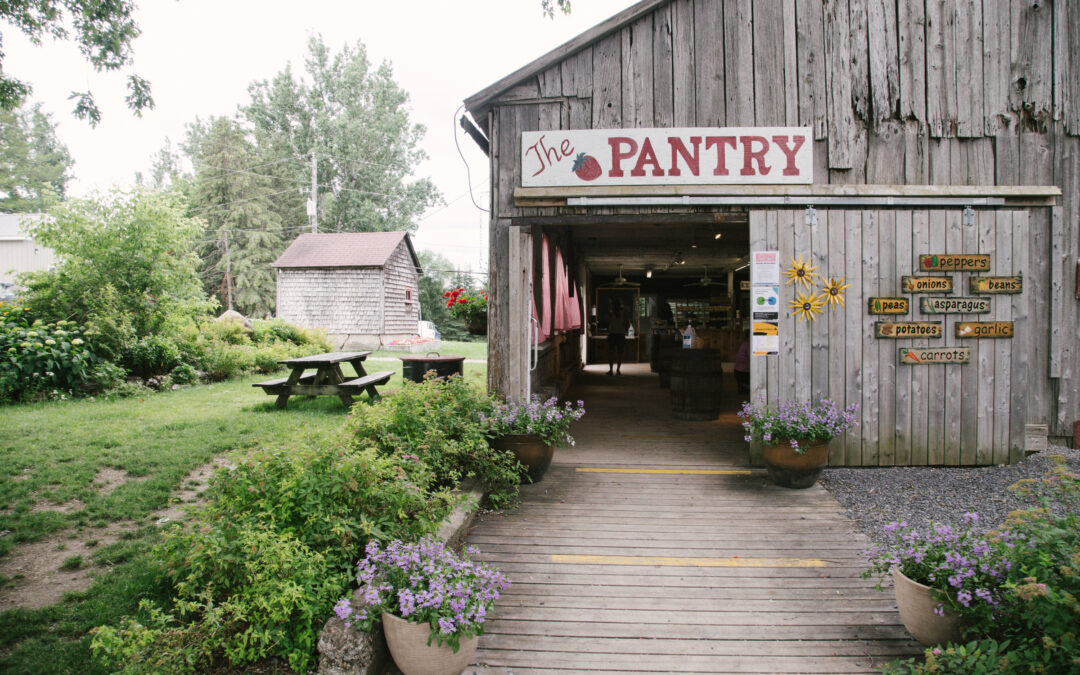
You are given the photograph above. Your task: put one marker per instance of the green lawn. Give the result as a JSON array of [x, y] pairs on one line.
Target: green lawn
[[470, 350], [51, 454]]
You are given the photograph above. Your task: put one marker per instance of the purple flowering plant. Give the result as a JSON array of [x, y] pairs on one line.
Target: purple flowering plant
[[424, 582], [965, 569], [798, 423], [548, 419]]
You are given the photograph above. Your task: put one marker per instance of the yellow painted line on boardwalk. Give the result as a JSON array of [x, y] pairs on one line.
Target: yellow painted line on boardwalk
[[694, 472], [685, 562]]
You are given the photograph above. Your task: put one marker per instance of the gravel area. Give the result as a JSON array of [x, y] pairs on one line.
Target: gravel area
[[875, 497]]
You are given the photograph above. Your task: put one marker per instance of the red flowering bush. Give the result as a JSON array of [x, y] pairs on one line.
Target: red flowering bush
[[466, 305]]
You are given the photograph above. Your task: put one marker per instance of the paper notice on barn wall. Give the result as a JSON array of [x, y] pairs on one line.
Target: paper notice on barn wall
[[681, 156], [764, 302]]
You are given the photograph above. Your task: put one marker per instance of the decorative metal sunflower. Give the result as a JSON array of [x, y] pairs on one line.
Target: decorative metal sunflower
[[834, 292], [801, 272], [807, 306]]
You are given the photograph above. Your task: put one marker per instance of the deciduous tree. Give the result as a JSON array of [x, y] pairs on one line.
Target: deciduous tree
[[34, 164]]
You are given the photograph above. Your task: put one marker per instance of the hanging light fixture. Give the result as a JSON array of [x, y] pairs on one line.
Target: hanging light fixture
[[648, 274]]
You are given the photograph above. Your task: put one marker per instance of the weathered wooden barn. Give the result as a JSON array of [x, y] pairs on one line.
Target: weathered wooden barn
[[923, 138], [361, 287]]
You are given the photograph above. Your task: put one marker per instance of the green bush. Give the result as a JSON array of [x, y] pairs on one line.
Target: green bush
[[105, 377], [229, 332], [441, 423], [151, 356], [988, 657], [38, 357], [223, 361], [185, 373]]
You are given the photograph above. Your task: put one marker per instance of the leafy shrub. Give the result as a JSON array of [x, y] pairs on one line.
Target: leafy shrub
[[105, 376], [150, 356], [222, 361], [185, 373], [229, 332], [276, 330], [37, 357], [986, 657], [440, 422]]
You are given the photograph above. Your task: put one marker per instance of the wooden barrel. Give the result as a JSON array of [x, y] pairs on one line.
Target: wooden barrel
[[663, 364], [696, 381]]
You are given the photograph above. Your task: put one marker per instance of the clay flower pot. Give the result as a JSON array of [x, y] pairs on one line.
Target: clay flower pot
[[917, 604], [790, 470], [408, 643]]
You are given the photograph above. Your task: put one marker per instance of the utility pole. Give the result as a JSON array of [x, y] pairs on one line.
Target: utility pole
[[228, 273], [313, 204]]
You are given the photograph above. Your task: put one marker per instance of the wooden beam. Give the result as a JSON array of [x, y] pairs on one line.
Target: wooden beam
[[1035, 192]]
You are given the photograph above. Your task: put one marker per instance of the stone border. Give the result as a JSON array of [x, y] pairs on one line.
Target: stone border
[[346, 651]]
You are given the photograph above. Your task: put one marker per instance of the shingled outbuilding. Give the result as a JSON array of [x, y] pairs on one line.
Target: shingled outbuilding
[[360, 287]]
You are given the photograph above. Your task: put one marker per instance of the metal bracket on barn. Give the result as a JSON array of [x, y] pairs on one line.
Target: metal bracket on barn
[[811, 216], [969, 216]]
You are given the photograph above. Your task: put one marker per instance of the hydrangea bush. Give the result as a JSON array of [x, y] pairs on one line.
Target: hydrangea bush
[[424, 582], [547, 419], [799, 423]]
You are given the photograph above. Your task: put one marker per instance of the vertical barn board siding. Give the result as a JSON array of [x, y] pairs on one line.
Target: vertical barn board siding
[[577, 74], [758, 364], [916, 159], [996, 67], [810, 55], [985, 363], [940, 69], [935, 424], [969, 70], [551, 82], [519, 281], [870, 366], [1019, 375], [884, 73], [854, 310], [791, 68], [888, 285], [911, 24], [780, 236], [709, 66], [663, 86], [969, 375], [682, 63], [920, 377], [1065, 219], [768, 63], [885, 146], [1002, 311], [1031, 80], [819, 330], [1066, 69], [837, 325], [903, 257], [607, 83], [860, 59], [841, 122], [1035, 167], [739, 62], [637, 76], [803, 374], [954, 243]]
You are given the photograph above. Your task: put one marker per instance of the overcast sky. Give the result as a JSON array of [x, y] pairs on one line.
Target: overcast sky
[[200, 56]]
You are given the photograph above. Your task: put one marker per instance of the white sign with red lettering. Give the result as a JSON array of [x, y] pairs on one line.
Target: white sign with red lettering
[[686, 156]]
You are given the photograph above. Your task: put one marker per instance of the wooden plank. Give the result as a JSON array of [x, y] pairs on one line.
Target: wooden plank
[[986, 358], [683, 66], [935, 392], [637, 75], [853, 251], [739, 62], [1003, 358], [758, 364], [607, 83], [1018, 413], [902, 428], [954, 262], [1035, 165], [940, 69], [577, 78], [767, 67], [934, 357], [837, 342], [878, 306], [954, 242], [841, 121], [870, 365], [886, 356], [780, 235], [709, 67], [907, 330], [818, 234], [663, 75], [884, 145], [860, 59], [1032, 40], [810, 49], [791, 60], [550, 82], [911, 23], [996, 68], [969, 377], [803, 373], [920, 416], [884, 60], [969, 68], [1066, 69]]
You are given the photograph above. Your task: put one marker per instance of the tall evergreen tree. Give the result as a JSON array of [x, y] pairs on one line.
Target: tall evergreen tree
[[355, 119], [34, 164], [243, 232]]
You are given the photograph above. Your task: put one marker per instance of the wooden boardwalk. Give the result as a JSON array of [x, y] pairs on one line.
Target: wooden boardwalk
[[652, 547]]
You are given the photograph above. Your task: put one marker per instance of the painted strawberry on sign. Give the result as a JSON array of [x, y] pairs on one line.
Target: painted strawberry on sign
[[586, 167]]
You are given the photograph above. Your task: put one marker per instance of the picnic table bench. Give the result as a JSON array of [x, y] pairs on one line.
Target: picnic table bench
[[327, 380]]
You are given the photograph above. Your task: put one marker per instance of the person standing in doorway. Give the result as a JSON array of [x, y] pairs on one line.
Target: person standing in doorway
[[742, 365], [618, 322]]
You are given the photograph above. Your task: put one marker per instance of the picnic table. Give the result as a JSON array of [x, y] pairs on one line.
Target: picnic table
[[327, 380]]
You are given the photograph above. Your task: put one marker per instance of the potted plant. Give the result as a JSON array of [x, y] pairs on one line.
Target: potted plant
[[944, 577], [469, 307], [431, 601], [532, 430], [795, 436]]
